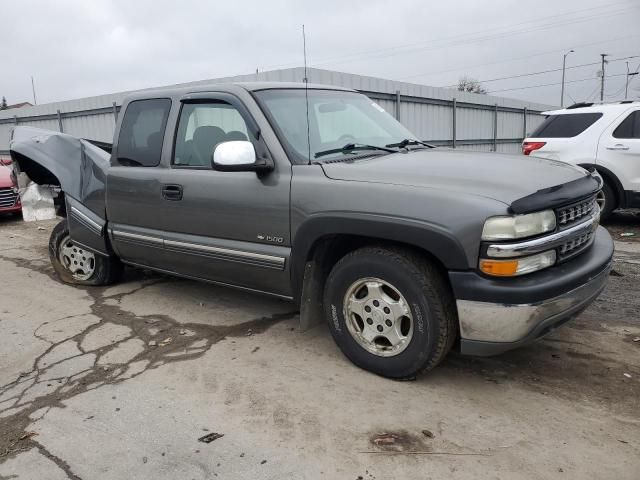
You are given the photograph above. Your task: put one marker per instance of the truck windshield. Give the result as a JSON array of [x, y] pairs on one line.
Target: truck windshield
[[336, 119]]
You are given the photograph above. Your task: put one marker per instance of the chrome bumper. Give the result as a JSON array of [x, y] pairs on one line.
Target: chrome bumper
[[513, 324]]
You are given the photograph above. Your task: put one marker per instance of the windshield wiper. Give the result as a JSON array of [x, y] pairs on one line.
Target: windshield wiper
[[410, 141], [352, 147]]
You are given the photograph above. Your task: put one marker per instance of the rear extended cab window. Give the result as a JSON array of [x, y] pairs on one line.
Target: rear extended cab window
[[142, 133], [566, 125]]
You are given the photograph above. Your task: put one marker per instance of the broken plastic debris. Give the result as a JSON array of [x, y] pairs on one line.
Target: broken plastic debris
[[627, 234], [628, 375], [210, 437], [166, 341], [385, 439], [637, 339], [37, 203]]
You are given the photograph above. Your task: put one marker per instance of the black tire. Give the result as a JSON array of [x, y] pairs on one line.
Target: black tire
[[610, 201], [430, 301], [107, 270]]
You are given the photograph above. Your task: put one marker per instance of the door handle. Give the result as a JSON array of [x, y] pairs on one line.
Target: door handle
[[618, 146], [172, 192]]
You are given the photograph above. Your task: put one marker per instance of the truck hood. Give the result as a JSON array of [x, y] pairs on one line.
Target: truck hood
[[502, 177]]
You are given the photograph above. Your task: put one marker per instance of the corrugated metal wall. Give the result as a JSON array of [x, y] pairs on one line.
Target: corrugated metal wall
[[482, 122]]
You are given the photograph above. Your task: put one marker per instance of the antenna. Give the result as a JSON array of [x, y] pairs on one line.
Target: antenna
[[306, 89], [33, 89]]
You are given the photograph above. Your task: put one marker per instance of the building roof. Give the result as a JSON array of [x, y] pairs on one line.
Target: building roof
[[319, 77], [19, 105]]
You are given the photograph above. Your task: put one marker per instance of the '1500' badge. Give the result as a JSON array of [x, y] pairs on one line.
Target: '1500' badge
[[270, 238]]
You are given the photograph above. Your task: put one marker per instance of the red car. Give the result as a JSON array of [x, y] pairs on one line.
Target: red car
[[9, 198]]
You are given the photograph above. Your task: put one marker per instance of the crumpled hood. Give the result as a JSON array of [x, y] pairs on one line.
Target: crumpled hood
[[502, 177], [5, 177]]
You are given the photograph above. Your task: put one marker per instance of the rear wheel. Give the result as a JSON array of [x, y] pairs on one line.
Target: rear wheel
[[607, 201], [390, 311], [77, 265]]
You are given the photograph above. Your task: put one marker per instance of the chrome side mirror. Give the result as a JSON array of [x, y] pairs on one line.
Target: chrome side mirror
[[238, 156]]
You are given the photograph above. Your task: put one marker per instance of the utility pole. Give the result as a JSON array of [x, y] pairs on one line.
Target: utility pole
[[603, 55], [33, 89], [626, 80], [564, 63]]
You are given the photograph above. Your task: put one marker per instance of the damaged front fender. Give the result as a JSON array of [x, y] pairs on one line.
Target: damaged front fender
[[79, 168]]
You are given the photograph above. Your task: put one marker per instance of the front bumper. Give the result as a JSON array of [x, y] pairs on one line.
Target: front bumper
[[14, 209], [497, 315]]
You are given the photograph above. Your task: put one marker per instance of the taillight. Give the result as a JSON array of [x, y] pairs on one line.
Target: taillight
[[528, 147]]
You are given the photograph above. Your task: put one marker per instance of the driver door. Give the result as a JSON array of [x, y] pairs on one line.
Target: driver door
[[225, 227]]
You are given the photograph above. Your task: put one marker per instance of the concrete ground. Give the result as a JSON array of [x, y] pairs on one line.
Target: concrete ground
[[122, 382]]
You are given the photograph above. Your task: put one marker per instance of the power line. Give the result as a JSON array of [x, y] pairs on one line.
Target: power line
[[592, 94], [429, 44], [520, 58], [442, 43], [548, 71], [625, 86], [552, 84]]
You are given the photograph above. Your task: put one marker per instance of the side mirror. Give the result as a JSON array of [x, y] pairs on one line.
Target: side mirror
[[238, 156]]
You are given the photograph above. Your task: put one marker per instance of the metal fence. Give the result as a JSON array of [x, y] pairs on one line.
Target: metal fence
[[500, 127], [440, 116]]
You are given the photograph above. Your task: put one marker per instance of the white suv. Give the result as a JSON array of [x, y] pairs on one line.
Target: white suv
[[601, 136]]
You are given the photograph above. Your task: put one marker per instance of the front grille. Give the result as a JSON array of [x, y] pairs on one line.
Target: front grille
[[574, 246], [574, 213], [8, 197]]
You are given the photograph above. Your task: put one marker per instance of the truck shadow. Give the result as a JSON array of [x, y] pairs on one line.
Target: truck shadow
[[584, 361], [624, 225]]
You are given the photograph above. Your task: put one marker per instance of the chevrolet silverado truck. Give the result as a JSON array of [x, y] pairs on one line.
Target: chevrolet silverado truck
[[316, 195]]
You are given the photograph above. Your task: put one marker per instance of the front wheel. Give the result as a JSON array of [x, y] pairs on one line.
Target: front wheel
[[390, 311], [77, 265]]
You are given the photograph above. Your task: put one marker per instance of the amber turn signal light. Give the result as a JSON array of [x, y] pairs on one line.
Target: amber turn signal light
[[499, 268]]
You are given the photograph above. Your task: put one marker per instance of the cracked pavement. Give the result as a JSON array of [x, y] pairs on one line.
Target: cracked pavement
[[121, 382]]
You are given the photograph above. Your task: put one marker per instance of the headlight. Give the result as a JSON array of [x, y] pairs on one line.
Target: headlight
[[518, 266], [519, 226]]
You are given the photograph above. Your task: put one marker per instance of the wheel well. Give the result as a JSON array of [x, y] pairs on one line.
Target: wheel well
[[42, 176], [326, 252], [337, 246], [35, 171], [329, 249], [610, 178]]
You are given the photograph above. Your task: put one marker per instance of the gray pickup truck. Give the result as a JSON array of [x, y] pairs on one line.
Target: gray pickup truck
[[318, 196]]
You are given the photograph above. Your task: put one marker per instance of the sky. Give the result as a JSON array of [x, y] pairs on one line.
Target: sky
[[80, 48]]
